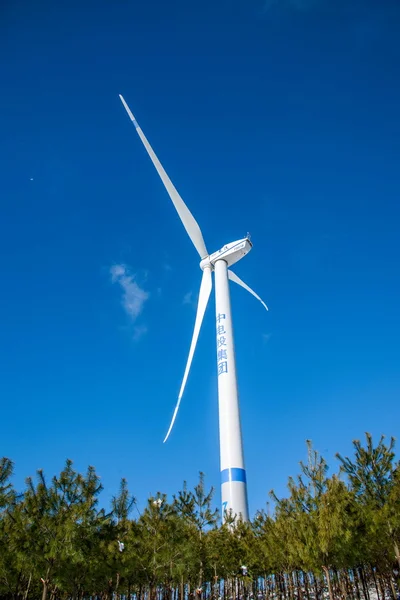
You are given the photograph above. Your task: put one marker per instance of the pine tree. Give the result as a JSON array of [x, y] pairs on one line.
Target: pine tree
[[195, 509], [327, 534], [372, 475], [7, 495]]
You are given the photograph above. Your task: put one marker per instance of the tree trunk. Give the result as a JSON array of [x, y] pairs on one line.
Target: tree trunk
[[363, 582], [200, 585], [44, 592], [381, 583], [306, 588], [54, 592], [316, 590], [28, 586], [394, 595], [356, 584], [350, 585], [269, 587], [376, 583], [291, 583], [153, 592], [282, 585], [335, 584], [299, 586], [328, 581], [397, 552], [342, 584], [278, 587]]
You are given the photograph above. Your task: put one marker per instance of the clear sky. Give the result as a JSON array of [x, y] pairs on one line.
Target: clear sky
[[280, 119]]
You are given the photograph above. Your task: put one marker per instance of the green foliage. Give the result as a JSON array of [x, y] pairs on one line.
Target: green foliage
[[338, 533], [7, 494], [371, 471], [122, 504]]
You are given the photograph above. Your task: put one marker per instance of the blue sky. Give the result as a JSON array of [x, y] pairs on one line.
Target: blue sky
[[279, 118]]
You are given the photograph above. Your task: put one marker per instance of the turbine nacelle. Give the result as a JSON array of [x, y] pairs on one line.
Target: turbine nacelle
[[231, 253]]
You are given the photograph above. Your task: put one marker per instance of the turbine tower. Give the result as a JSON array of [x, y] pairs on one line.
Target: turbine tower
[[233, 473]]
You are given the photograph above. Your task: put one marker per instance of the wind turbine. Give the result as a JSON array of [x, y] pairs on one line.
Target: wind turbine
[[233, 473]]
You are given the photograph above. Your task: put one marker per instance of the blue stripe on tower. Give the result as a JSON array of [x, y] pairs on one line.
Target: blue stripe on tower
[[233, 474]]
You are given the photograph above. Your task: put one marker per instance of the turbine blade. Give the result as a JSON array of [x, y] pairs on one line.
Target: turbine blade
[[233, 277], [205, 291], [188, 220]]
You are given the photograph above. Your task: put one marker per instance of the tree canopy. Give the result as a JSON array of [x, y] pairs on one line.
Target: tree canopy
[[334, 536]]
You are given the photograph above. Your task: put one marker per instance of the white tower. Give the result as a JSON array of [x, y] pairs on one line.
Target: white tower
[[233, 473]]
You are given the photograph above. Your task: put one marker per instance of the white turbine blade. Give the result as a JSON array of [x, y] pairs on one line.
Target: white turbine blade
[[205, 290], [188, 220], [233, 277]]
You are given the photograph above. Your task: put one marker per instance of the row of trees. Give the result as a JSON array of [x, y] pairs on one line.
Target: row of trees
[[336, 536]]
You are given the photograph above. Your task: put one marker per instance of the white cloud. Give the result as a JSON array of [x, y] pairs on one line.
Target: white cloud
[[188, 298], [133, 296], [266, 337]]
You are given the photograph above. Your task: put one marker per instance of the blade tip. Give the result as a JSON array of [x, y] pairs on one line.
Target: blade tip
[[128, 110]]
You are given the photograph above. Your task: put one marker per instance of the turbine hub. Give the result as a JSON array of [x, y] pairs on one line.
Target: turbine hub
[[206, 263], [231, 253]]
